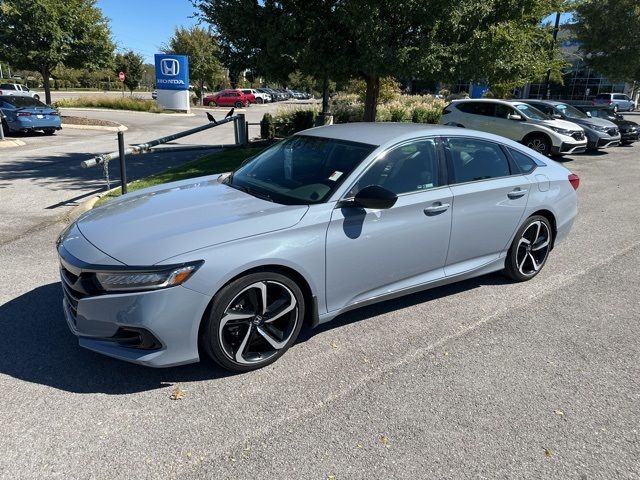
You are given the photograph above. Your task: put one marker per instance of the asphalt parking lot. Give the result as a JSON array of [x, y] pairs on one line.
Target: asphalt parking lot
[[481, 379]]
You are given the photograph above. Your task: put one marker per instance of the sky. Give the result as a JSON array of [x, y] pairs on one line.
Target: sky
[[145, 25]]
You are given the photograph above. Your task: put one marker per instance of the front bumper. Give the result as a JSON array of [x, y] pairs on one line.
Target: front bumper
[[157, 328], [569, 146], [630, 136]]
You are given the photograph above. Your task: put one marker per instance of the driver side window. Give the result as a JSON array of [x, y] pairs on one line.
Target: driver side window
[[411, 167]]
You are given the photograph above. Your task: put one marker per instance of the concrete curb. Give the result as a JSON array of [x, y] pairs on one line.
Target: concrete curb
[[87, 109], [6, 143], [85, 206], [121, 128]]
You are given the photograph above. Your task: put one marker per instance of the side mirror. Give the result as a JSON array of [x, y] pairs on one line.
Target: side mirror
[[588, 114], [557, 115], [374, 197], [514, 116]]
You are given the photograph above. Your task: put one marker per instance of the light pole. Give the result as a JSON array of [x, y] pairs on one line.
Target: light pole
[[547, 86]]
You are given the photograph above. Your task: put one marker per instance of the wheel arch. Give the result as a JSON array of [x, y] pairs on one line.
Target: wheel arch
[[311, 303], [537, 133]]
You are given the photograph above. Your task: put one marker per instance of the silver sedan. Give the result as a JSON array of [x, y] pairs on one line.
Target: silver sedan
[[330, 219]]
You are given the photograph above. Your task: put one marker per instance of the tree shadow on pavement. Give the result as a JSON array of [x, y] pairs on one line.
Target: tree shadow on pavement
[[36, 346]]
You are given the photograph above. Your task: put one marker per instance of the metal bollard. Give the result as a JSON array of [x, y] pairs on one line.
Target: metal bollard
[[123, 164], [1, 130]]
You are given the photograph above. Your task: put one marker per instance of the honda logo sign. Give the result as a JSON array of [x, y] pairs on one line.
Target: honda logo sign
[[172, 72], [170, 67]]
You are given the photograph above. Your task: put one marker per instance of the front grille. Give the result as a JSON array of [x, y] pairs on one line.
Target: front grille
[[76, 287], [613, 132], [578, 135]]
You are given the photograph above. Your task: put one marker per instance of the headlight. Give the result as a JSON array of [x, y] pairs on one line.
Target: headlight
[[598, 128], [146, 280], [562, 131]]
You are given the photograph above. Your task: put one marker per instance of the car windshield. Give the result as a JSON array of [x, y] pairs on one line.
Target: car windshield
[[531, 112], [602, 113], [570, 112], [300, 170], [23, 102]]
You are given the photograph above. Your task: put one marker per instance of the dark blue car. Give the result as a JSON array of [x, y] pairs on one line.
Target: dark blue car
[[26, 114]]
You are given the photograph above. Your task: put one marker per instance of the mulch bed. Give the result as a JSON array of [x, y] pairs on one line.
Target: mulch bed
[[69, 120]]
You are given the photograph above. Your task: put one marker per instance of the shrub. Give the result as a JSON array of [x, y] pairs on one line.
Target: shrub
[[426, 114], [267, 127], [383, 114], [120, 103], [288, 121], [400, 113]]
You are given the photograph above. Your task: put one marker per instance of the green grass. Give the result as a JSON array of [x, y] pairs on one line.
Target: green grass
[[115, 103], [213, 163]]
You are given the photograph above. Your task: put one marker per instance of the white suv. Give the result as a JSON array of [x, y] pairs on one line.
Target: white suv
[[517, 121], [261, 97]]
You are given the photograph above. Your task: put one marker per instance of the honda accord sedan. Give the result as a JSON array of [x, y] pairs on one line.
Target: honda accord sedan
[[232, 266]]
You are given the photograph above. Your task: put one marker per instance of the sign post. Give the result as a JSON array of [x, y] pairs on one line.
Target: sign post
[[121, 77], [172, 81]]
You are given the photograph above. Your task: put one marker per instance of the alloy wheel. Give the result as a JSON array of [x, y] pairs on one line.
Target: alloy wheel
[[539, 145], [258, 322], [533, 248]]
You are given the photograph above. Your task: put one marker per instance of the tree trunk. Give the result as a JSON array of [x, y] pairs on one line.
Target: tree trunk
[[46, 73], [201, 84], [325, 95], [371, 98]]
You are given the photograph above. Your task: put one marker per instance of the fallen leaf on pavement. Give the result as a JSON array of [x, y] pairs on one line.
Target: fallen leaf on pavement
[[560, 413], [547, 452], [177, 394], [384, 440]]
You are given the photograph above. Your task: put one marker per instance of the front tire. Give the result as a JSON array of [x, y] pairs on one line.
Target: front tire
[[212, 103], [530, 249], [540, 143], [49, 131], [260, 100], [253, 321]]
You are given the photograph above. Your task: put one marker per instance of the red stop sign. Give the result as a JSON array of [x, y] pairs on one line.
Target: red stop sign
[[121, 76]]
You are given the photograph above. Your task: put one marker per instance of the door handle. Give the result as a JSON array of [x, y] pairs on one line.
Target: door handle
[[436, 208], [517, 193]]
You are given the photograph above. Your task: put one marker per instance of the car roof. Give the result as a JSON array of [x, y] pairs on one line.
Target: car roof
[[381, 133]]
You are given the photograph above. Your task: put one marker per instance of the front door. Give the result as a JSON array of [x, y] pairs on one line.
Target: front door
[[374, 252], [489, 199]]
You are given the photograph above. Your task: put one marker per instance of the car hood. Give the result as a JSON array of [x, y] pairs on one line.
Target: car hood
[[601, 122], [159, 223], [560, 124], [625, 123]]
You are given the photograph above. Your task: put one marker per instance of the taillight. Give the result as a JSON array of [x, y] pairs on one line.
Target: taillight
[[24, 114], [53, 114], [574, 180]]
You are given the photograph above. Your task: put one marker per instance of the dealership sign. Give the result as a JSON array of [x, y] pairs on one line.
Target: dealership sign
[[172, 72]]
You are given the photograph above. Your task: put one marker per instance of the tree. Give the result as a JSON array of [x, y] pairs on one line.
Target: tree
[[203, 52], [42, 34], [497, 40], [609, 31], [132, 64]]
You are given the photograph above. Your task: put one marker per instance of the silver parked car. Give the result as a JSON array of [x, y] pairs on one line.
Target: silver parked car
[[328, 220], [619, 102]]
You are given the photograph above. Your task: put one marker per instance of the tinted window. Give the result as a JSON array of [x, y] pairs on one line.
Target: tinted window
[[570, 112], [526, 163], [532, 111], [409, 168], [23, 101], [300, 170], [7, 86], [477, 160], [477, 108], [503, 111], [603, 96], [619, 97]]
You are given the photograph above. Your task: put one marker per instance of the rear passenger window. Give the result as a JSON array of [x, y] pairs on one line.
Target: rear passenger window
[[524, 162], [477, 108], [477, 160]]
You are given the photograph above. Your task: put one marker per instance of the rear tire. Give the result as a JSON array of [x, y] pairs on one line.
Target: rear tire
[[538, 142], [36, 97], [49, 131], [5, 127], [529, 250], [253, 321], [212, 103], [239, 104], [260, 100]]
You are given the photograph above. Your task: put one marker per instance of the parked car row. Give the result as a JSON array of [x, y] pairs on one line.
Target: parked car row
[[245, 97], [25, 114], [549, 127]]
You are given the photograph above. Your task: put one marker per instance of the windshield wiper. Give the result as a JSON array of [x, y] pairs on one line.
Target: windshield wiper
[[251, 192]]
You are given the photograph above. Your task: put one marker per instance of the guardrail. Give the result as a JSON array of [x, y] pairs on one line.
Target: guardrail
[[241, 138]]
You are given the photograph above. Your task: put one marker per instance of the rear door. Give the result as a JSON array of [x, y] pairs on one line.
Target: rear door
[[503, 125], [489, 198]]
